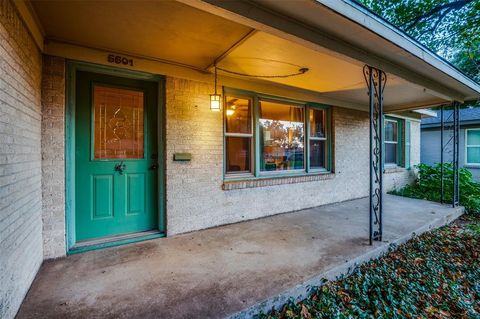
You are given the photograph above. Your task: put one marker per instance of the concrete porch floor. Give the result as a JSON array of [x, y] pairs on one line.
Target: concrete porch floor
[[233, 270]]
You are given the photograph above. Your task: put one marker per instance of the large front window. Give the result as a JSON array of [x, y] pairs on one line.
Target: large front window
[[472, 145], [281, 136], [265, 136]]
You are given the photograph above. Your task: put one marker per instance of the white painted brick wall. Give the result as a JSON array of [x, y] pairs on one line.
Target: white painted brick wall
[[21, 252], [53, 156], [195, 198], [415, 143], [194, 195]]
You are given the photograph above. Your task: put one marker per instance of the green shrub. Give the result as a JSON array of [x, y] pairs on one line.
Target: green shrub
[[428, 186]]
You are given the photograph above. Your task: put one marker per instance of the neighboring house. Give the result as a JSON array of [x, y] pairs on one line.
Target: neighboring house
[[469, 139], [110, 125]]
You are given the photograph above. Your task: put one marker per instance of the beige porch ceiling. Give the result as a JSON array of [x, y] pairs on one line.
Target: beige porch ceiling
[[174, 32], [328, 74], [165, 30]]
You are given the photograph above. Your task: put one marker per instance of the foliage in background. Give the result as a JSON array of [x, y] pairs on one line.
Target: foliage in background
[[451, 28], [428, 186], [436, 275]]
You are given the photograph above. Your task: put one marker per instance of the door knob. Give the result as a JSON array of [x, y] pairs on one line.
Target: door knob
[[120, 168], [154, 166]]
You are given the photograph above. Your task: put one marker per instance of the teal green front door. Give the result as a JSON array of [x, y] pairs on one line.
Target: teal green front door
[[116, 156]]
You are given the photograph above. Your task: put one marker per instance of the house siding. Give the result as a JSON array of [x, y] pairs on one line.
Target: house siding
[[20, 160], [194, 194], [431, 148]]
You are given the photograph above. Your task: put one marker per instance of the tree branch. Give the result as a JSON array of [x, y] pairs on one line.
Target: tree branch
[[446, 8], [439, 20]]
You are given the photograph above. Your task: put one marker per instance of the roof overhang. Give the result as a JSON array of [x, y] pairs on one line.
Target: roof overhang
[[407, 51], [184, 38], [463, 124], [426, 113], [349, 30]]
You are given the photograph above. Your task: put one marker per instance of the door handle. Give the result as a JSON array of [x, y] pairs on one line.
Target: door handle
[[120, 168], [154, 166]]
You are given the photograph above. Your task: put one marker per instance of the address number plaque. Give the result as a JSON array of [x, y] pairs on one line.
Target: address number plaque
[[118, 59]]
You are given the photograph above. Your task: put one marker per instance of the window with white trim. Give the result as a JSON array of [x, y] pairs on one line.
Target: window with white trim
[[472, 145], [396, 142], [391, 142]]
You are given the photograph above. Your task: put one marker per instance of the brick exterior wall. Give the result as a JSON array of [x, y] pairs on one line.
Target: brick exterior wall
[[196, 195], [195, 198], [53, 156], [21, 251]]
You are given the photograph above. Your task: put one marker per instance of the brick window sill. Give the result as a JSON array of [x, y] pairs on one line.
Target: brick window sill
[[275, 180]]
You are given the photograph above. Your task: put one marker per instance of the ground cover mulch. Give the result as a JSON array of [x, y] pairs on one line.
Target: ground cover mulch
[[435, 275]]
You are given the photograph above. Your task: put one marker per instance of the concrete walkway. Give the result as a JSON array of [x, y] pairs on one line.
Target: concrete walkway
[[223, 271]]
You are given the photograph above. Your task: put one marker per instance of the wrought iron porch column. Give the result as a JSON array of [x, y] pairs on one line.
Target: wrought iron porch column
[[452, 125], [376, 80], [442, 172], [456, 151]]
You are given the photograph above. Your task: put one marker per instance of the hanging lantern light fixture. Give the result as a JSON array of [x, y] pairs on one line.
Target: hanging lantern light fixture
[[215, 98]]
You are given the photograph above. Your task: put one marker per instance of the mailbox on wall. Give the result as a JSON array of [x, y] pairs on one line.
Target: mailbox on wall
[[182, 157]]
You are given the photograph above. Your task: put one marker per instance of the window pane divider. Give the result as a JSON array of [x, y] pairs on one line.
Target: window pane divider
[[306, 140], [239, 174], [256, 137], [239, 134], [289, 172]]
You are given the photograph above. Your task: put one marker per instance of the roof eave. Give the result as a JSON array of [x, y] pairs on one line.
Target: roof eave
[[365, 18], [302, 22]]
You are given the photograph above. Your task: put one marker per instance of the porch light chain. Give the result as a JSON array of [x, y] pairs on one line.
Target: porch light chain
[[300, 72]]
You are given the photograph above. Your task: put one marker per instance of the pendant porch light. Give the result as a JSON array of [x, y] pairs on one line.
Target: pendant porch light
[[215, 98]]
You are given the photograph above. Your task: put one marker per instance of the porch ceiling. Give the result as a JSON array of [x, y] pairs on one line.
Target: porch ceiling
[[166, 30], [341, 79], [178, 33]]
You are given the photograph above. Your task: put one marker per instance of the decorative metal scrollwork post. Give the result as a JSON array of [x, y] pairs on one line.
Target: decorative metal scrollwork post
[[442, 151], [456, 152], [376, 80], [451, 126]]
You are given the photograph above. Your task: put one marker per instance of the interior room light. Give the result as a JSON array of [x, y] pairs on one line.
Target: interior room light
[[231, 110]]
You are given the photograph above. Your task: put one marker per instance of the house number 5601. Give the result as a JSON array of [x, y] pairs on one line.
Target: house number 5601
[[118, 59]]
